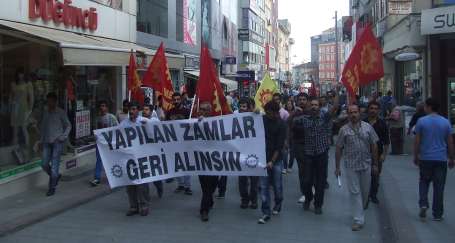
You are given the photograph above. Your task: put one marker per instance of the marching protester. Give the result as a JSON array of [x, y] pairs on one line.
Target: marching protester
[[275, 131], [284, 115], [138, 195], [208, 183], [316, 138], [420, 112], [148, 113], [381, 129], [433, 146], [357, 142], [104, 120], [290, 108], [248, 185], [180, 112], [55, 128], [296, 135], [123, 113]]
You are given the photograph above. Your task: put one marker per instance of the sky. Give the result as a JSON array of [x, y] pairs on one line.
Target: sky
[[309, 18]]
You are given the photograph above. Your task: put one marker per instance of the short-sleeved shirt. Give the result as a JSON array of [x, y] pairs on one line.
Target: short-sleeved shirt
[[139, 121], [434, 131], [382, 130], [314, 131], [356, 144], [107, 120], [275, 134]]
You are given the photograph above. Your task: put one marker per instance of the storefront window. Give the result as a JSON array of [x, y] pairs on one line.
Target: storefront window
[[409, 85], [152, 17]]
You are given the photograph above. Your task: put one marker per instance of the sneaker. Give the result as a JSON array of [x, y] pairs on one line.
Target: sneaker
[[374, 200], [188, 191], [356, 227], [264, 219], [144, 212], [275, 212], [284, 171], [423, 212], [220, 196], [289, 170], [301, 199], [179, 189], [95, 182], [244, 205], [50, 192], [132, 211], [318, 211], [440, 218], [204, 216], [254, 206]]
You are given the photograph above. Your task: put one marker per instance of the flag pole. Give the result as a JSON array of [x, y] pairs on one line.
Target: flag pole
[[192, 106]]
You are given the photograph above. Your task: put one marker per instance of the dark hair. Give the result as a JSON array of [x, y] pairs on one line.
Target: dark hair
[[312, 98], [126, 102], [302, 94], [149, 106], [277, 95], [102, 102], [389, 93], [375, 103], [176, 94], [134, 103], [272, 106], [433, 104], [244, 100], [18, 71], [252, 103], [51, 95]]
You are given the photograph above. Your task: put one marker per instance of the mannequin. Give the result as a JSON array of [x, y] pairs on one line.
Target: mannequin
[[22, 105]]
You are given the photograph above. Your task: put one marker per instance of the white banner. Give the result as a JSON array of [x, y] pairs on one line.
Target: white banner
[[231, 145]]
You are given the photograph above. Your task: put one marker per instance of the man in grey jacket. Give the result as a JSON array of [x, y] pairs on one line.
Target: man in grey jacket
[[55, 128]]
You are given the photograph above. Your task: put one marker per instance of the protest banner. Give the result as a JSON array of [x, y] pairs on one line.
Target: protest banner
[[231, 145]]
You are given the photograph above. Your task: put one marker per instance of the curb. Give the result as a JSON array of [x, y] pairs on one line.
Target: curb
[[52, 210]]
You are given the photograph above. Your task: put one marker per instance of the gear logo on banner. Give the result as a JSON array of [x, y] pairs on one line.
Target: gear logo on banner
[[117, 171], [252, 161]]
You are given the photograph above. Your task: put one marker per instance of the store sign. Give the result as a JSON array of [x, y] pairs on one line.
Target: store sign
[[245, 75], [438, 21], [400, 7], [82, 124], [63, 12], [244, 34], [230, 60]]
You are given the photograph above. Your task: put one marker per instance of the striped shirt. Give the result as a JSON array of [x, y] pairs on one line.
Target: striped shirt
[[355, 143]]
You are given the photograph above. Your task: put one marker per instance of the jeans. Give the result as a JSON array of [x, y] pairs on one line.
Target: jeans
[[252, 195], [98, 165], [184, 181], [222, 183], [358, 182], [315, 174], [300, 156], [51, 161], [436, 172], [208, 187], [285, 157], [274, 179], [291, 156]]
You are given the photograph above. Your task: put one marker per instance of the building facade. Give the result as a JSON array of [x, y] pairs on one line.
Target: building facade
[[283, 52]]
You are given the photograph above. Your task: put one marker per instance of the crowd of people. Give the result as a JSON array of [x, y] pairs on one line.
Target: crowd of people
[[297, 128]]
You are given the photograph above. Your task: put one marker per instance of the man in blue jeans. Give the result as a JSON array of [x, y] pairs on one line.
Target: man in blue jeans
[[55, 128], [433, 142], [275, 134], [104, 120]]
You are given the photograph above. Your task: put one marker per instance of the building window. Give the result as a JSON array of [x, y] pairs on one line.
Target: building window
[[179, 21], [152, 17]]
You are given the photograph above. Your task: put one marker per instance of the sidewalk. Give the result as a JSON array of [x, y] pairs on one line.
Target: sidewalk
[[175, 218], [400, 187]]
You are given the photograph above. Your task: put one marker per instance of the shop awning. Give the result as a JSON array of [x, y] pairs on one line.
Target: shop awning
[[231, 85], [79, 49]]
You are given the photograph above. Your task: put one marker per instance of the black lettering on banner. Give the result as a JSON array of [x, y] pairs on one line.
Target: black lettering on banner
[[225, 162], [186, 135], [131, 170], [143, 167], [198, 135], [205, 160], [163, 160], [119, 139], [189, 167], [146, 135], [130, 135], [169, 132], [139, 133], [236, 129], [178, 163], [248, 126], [155, 165], [217, 164], [235, 162], [108, 137], [187, 160], [158, 134], [211, 133], [224, 136]]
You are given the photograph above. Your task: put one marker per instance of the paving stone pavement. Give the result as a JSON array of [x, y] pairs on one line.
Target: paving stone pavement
[[174, 218]]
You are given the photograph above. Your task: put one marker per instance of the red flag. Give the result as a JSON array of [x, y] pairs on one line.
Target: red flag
[[209, 88], [159, 78], [134, 82], [312, 90], [364, 64]]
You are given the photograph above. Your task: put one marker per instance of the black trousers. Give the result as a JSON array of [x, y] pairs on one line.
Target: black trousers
[[315, 169], [252, 183], [436, 172], [374, 188], [222, 183], [208, 187]]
